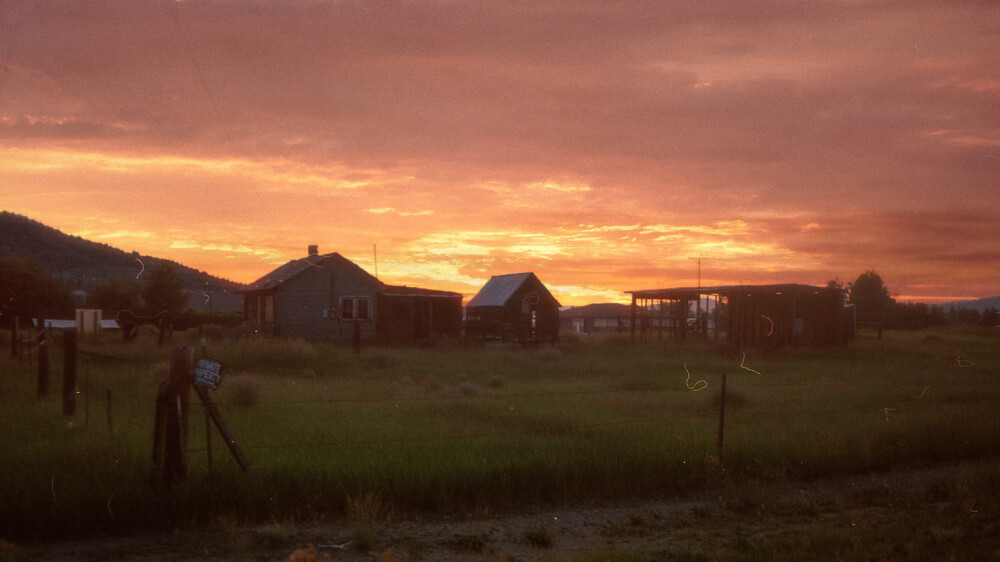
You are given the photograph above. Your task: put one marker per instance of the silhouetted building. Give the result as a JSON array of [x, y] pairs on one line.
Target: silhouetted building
[[762, 316], [322, 297], [515, 307]]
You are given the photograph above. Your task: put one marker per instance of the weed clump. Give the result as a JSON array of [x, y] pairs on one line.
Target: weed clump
[[537, 537], [243, 392]]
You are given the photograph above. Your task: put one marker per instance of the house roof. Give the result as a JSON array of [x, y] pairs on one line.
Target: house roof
[[295, 267], [404, 291]]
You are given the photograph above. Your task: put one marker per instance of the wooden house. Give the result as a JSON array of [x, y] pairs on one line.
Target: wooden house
[[322, 296], [515, 307], [761, 316]]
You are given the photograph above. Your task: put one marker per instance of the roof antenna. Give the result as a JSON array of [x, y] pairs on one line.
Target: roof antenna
[[375, 253]]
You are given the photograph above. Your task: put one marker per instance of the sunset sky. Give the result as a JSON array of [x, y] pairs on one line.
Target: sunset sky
[[603, 145]]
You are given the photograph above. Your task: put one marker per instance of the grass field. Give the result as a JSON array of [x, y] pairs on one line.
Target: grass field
[[475, 429]]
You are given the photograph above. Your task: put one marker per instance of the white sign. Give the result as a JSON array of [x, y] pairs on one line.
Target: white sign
[[208, 373]]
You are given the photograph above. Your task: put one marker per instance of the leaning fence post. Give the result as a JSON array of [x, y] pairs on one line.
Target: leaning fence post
[[208, 438], [69, 372], [213, 412]]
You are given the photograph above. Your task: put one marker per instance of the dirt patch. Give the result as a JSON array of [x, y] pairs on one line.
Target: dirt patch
[[907, 509]]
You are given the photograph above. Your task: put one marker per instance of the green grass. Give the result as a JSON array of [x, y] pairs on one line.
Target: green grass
[[478, 428]]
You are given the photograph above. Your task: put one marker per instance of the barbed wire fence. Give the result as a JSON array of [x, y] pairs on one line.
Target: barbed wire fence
[[895, 399]]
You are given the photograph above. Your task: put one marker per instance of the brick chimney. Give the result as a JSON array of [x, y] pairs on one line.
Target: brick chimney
[[313, 249]]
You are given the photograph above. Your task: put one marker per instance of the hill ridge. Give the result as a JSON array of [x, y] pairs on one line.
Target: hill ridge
[[84, 264]]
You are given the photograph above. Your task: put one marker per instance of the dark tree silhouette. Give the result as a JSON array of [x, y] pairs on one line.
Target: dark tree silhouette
[[164, 299], [163, 290], [115, 295], [871, 299], [26, 291]]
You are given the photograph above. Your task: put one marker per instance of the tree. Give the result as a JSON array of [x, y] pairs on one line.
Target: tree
[[115, 295], [163, 291], [27, 291], [991, 317], [870, 298]]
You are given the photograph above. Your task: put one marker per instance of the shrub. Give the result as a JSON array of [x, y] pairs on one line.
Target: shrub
[[243, 391]]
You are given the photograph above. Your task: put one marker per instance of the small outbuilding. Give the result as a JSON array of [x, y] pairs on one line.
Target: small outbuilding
[[763, 316], [515, 307], [326, 297]]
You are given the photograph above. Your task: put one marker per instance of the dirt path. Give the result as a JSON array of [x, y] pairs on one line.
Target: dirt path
[[897, 514]]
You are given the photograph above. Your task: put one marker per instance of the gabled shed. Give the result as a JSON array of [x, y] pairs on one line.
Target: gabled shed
[[322, 296], [515, 307]]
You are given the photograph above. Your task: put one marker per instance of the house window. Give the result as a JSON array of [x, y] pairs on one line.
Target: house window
[[355, 308]]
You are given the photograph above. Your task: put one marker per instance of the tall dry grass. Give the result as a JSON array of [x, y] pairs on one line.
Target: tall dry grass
[[477, 428]]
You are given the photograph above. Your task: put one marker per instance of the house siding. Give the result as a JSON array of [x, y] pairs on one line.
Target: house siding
[[411, 318], [307, 300], [310, 305]]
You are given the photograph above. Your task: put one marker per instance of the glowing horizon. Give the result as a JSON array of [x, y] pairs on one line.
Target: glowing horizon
[[597, 148]]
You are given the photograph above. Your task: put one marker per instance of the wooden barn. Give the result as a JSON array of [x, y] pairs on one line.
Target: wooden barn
[[761, 316], [515, 307], [321, 297]]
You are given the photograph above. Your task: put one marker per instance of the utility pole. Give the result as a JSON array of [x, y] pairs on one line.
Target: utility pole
[[697, 309], [698, 258]]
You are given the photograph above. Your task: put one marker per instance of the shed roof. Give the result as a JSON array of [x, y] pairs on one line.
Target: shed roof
[[726, 290], [500, 288], [295, 267], [405, 291]]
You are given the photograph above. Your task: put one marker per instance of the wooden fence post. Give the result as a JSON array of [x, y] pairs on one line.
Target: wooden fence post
[[111, 424], [69, 372], [356, 336], [177, 404], [14, 336], [722, 413], [159, 425], [86, 394]]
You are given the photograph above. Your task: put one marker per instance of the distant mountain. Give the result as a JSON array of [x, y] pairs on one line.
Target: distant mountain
[[977, 304], [83, 264]]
